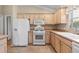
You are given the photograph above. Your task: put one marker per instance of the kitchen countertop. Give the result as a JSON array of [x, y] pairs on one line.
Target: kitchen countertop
[[3, 36], [68, 35]]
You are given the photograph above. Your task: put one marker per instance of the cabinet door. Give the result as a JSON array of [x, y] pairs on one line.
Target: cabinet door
[[54, 18], [52, 41], [48, 18], [57, 43], [65, 48], [30, 37], [32, 17], [58, 15], [47, 36], [55, 15], [63, 15]]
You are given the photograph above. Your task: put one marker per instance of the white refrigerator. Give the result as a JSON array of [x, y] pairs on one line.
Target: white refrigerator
[[21, 27]]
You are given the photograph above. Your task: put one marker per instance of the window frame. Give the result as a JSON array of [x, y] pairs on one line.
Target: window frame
[[72, 19]]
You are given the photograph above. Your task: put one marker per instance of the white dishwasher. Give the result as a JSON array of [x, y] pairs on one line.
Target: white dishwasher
[[75, 47]]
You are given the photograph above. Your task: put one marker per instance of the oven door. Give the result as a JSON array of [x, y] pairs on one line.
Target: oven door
[[39, 37]]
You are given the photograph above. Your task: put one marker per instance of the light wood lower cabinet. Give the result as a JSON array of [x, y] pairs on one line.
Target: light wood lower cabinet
[[3, 45], [30, 37], [65, 48], [52, 40], [47, 36], [60, 44], [57, 44]]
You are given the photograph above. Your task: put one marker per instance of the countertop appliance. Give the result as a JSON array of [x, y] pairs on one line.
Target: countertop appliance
[[39, 33], [75, 47]]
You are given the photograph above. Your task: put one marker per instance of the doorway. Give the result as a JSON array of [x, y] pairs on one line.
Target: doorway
[[8, 26], [1, 24]]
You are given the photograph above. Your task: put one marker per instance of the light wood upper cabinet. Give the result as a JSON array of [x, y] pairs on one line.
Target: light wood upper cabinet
[[58, 15], [57, 18], [54, 18], [49, 19], [61, 16]]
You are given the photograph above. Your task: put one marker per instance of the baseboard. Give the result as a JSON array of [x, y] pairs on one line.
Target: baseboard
[[38, 45]]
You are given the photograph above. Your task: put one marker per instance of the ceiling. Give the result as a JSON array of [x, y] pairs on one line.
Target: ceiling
[[37, 8]]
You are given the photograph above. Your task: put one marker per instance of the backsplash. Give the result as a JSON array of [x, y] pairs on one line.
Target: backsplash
[[65, 27], [61, 26], [47, 27]]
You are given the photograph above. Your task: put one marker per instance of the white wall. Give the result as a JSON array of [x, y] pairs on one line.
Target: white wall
[[7, 9], [1, 9], [1, 20], [1, 24]]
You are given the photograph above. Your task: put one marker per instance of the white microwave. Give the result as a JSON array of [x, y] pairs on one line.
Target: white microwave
[[39, 22]]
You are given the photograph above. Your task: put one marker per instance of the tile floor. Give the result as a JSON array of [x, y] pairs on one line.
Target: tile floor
[[30, 49]]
